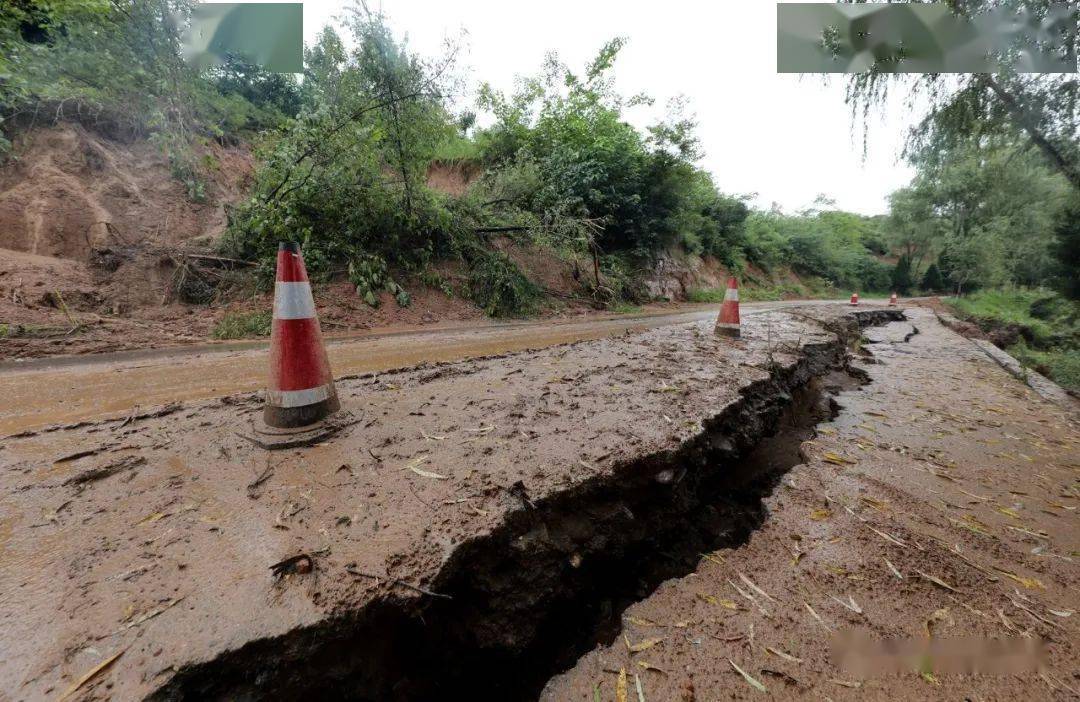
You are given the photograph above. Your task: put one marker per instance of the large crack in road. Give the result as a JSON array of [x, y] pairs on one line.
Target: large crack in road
[[554, 511]]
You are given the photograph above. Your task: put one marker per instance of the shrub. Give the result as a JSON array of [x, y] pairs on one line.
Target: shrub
[[241, 325], [499, 286]]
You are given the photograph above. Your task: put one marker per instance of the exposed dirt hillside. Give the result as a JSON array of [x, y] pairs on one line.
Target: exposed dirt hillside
[[71, 192], [94, 234]]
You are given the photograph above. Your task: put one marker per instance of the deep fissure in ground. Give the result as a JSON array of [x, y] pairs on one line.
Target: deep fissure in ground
[[526, 601]]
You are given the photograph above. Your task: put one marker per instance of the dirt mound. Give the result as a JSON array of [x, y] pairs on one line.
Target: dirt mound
[[69, 192], [89, 227], [452, 177]]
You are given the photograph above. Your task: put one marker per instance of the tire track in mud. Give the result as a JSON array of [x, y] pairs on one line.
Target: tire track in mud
[[522, 603]]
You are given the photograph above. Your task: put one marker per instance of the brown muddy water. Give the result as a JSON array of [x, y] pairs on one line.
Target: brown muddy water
[[71, 389]]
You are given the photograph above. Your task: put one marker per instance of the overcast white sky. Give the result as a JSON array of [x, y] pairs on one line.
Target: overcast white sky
[[785, 137]]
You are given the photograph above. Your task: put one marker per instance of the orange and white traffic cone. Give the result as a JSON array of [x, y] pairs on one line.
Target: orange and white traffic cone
[[727, 323], [301, 390], [854, 298], [892, 299]]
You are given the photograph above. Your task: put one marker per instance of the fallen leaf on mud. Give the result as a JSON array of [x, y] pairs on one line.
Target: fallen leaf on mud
[[649, 666], [781, 654], [749, 678], [151, 615], [150, 519], [644, 645], [707, 598], [432, 437], [1008, 512], [1062, 612], [1037, 534], [845, 683], [1029, 583], [887, 537], [90, 674], [853, 606], [637, 685], [419, 460], [818, 514], [764, 612], [640, 622], [816, 616], [929, 677], [977, 497], [757, 589], [429, 474], [714, 558], [971, 524], [620, 686], [893, 569], [836, 459], [596, 692], [943, 475], [937, 581]]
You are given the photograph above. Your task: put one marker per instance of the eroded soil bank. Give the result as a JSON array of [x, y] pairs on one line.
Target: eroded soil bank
[[481, 524]]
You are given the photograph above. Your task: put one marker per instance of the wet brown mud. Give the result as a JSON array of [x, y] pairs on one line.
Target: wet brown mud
[[515, 607]]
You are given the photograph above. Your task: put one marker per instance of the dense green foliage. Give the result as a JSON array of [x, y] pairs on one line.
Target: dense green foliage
[[596, 180], [840, 247], [116, 66], [987, 213], [995, 152]]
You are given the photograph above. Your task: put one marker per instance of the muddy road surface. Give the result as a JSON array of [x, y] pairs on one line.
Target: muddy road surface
[[645, 508], [465, 521], [939, 500], [68, 389]]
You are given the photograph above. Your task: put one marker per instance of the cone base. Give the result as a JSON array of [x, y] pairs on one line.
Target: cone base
[[274, 438], [732, 332], [300, 418]]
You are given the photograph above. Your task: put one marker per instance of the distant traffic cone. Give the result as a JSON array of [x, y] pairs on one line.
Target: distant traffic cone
[[854, 298], [727, 323], [892, 299], [301, 390]]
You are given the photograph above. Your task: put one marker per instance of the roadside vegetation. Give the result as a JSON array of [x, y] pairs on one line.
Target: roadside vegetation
[[1040, 328], [243, 325], [343, 156]]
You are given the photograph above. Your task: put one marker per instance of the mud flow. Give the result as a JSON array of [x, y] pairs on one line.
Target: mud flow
[[521, 604]]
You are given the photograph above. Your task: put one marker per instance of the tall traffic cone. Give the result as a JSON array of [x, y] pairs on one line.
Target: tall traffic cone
[[727, 323], [301, 390], [892, 299], [854, 298]]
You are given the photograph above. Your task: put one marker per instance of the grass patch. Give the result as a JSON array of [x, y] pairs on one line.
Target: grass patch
[[1049, 327], [1061, 366], [243, 325], [706, 294], [995, 308], [626, 308], [814, 288]]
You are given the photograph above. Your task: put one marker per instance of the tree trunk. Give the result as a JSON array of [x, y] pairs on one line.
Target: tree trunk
[[1024, 121]]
